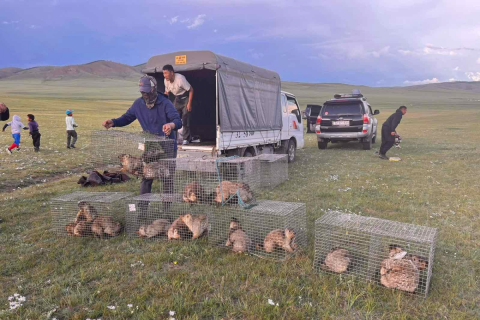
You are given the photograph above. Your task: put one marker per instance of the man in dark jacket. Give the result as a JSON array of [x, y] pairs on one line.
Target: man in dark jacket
[[155, 113], [388, 131]]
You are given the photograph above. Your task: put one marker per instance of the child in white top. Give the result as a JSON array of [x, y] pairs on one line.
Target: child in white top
[[16, 126], [71, 125]]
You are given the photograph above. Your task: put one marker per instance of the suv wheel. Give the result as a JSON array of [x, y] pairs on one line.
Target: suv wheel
[[291, 150], [367, 145], [322, 145]]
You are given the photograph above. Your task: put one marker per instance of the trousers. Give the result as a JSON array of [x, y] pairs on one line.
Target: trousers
[[70, 134], [387, 140]]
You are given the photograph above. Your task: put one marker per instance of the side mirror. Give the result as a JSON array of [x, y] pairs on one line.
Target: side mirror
[[376, 112]]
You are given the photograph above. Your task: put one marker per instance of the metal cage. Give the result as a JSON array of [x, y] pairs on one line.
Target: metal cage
[[166, 217], [271, 229], [391, 254], [223, 181], [134, 153], [89, 214], [274, 170]]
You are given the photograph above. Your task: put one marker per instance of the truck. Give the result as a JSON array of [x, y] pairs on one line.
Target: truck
[[237, 109]]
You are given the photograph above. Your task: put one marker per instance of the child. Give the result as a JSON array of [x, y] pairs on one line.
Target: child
[[33, 125], [17, 127], [71, 125]]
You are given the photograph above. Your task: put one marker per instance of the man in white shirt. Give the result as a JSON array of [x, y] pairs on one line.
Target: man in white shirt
[[71, 125], [183, 92]]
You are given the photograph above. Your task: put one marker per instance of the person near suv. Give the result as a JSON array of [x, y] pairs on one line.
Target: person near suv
[[389, 133]]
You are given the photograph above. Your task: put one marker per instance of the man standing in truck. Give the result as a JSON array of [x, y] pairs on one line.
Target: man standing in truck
[[183, 92], [389, 133]]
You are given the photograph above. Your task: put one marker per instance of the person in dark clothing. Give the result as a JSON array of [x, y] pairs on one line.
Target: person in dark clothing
[[34, 133], [388, 131], [156, 115], [4, 112]]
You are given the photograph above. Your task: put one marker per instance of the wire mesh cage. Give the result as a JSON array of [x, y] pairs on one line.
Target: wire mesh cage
[[165, 217], [391, 254], [89, 214], [274, 169], [224, 181], [135, 153], [271, 229]]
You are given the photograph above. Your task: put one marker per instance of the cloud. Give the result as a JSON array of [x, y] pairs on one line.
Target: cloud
[[10, 22], [456, 68], [215, 30], [473, 76], [382, 51], [452, 80], [198, 21], [173, 20], [415, 83], [32, 26], [255, 54], [478, 60]]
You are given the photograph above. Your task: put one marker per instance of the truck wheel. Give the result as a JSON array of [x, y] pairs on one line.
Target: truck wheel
[[291, 150], [367, 145], [322, 145]]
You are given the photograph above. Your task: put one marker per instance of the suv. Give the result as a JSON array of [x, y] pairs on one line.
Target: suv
[[347, 117], [311, 113]]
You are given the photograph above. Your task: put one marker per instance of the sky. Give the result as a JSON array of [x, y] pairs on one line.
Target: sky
[[368, 42]]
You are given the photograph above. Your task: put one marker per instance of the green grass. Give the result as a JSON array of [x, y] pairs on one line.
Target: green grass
[[436, 185]]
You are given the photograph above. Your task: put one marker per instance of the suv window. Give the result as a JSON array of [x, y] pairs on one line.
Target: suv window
[[293, 108], [342, 109], [370, 109]]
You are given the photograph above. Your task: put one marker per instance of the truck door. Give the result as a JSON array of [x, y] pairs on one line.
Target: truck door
[[295, 125], [285, 124]]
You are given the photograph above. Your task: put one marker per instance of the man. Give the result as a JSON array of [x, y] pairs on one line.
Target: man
[[389, 133], [156, 115], [4, 112], [183, 92]]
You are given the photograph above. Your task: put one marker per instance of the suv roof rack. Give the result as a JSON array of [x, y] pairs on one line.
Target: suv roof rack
[[348, 95]]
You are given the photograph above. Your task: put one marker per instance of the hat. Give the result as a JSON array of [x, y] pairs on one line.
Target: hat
[[145, 84], [69, 111]]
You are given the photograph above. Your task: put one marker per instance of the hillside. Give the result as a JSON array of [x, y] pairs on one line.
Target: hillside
[[96, 69], [7, 72]]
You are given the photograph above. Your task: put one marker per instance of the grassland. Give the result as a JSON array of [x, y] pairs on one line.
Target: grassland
[[436, 185]]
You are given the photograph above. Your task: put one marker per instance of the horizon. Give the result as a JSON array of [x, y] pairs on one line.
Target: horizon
[[374, 44]]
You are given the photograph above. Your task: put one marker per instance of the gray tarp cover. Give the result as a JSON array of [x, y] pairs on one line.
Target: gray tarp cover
[[248, 96]]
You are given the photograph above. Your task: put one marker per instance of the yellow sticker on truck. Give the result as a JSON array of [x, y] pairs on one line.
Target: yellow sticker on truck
[[181, 59]]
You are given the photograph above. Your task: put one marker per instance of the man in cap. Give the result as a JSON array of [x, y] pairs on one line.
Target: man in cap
[[183, 92], [389, 133], [156, 115]]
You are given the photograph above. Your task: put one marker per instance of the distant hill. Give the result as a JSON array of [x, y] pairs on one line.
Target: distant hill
[[7, 72], [456, 85], [96, 69], [140, 67]]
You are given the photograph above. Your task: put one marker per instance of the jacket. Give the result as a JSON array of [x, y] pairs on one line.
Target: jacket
[[151, 120], [392, 122], [16, 125]]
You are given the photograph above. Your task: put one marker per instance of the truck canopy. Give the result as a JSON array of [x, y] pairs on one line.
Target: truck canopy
[[248, 96]]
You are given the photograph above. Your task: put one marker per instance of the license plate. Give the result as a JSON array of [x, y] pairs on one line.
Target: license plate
[[341, 123]]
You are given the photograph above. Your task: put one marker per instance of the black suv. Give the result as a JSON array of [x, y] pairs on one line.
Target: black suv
[[347, 117]]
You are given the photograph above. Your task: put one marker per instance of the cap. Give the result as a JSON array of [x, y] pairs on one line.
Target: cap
[[69, 111], [145, 84]]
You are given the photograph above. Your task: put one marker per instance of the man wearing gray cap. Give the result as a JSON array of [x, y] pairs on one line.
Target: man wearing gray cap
[[156, 115]]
